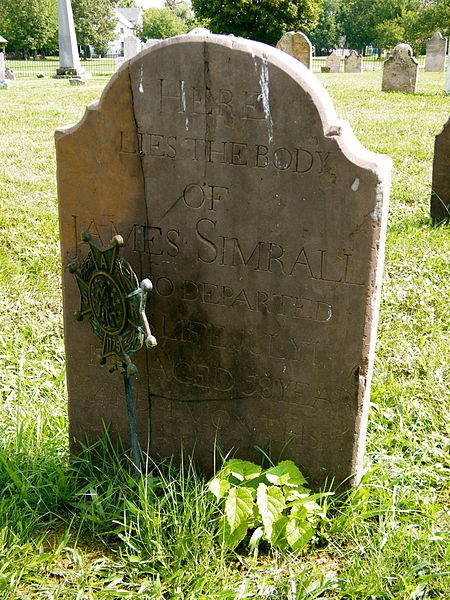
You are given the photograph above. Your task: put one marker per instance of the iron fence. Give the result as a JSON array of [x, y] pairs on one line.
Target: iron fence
[[46, 67], [105, 66]]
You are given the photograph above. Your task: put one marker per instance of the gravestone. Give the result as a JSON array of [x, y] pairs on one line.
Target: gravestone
[[297, 45], [9, 74], [400, 71], [436, 51], [260, 220], [69, 60], [353, 63], [131, 46], [333, 62], [447, 80], [440, 187], [4, 82]]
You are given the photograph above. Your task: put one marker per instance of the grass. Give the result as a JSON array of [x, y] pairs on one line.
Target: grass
[[83, 529]]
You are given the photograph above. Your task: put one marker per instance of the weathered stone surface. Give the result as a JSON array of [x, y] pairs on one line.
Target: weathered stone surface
[[77, 81], [440, 188], [333, 61], [297, 45], [9, 74], [2, 65], [400, 71], [353, 63], [436, 51], [260, 220]]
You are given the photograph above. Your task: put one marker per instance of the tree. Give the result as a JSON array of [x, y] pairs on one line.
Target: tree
[[123, 3], [433, 16], [159, 23], [262, 20], [326, 34], [381, 23], [94, 23], [28, 25]]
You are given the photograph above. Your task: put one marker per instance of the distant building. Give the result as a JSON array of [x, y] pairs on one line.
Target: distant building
[[128, 20]]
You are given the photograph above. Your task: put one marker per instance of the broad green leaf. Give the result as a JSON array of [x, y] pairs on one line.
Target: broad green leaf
[[219, 487], [238, 507], [285, 473], [242, 469], [233, 537], [298, 533], [307, 508], [296, 493], [270, 501], [279, 533]]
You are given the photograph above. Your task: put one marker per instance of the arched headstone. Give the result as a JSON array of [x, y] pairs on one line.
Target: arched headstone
[[260, 220], [400, 70], [353, 63], [297, 45], [436, 51], [333, 62]]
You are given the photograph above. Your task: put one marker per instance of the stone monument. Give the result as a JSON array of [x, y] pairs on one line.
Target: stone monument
[[297, 45], [353, 63], [4, 81], [69, 61], [440, 187], [333, 62], [260, 220], [400, 71], [436, 51]]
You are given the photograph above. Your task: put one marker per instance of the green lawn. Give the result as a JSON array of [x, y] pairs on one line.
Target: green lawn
[[84, 530]]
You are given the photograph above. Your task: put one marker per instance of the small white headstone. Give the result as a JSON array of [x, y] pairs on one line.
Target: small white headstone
[[131, 46], [2, 65]]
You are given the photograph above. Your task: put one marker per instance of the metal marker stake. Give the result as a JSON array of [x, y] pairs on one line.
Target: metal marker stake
[[115, 302], [133, 425]]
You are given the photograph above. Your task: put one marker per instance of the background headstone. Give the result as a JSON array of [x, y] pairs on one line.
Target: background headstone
[[9, 74], [4, 82], [447, 79], [297, 45], [440, 187], [400, 71], [132, 45], [353, 63], [260, 220], [333, 62], [436, 51], [69, 60]]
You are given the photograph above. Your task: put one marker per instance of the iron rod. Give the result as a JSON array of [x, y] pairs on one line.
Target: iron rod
[[133, 425]]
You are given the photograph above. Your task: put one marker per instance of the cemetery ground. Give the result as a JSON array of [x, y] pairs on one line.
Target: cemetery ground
[[83, 529]]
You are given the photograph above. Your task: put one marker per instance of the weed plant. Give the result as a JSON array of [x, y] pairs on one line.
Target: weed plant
[[83, 528]]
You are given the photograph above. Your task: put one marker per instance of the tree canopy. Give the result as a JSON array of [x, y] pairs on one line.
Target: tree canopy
[[262, 20], [94, 23], [28, 25], [160, 23], [380, 23]]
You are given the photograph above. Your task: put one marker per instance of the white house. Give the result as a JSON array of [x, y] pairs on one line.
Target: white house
[[128, 19]]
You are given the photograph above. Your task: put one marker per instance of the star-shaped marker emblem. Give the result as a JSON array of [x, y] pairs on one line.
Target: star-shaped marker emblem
[[114, 301]]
